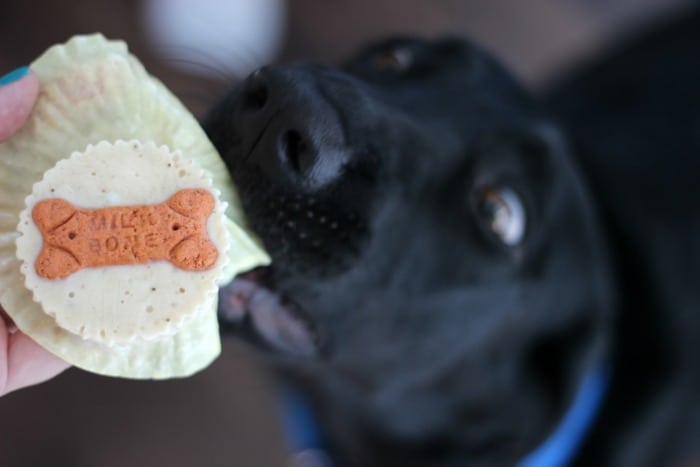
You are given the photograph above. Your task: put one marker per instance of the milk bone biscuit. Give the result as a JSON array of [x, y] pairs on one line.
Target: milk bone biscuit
[[76, 238]]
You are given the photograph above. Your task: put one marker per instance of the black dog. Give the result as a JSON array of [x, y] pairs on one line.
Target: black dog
[[448, 271]]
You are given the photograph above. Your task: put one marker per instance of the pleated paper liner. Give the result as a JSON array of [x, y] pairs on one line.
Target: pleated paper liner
[[93, 90]]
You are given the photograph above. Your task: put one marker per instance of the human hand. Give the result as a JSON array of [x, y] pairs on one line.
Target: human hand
[[22, 361]]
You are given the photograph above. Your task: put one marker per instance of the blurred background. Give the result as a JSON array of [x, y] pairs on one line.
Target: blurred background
[[228, 415]]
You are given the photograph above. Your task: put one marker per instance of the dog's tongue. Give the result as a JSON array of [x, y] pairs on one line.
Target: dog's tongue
[[277, 323], [234, 297]]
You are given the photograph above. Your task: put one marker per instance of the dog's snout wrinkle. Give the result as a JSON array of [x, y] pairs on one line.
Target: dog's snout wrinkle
[[259, 137]]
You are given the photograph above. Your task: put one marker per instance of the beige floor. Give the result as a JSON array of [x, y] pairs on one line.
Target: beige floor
[[226, 416]]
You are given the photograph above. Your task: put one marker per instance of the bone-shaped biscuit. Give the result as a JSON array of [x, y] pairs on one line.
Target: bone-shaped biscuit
[[76, 238]]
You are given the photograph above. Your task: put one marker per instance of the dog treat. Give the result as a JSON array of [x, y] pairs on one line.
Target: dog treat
[[80, 238], [151, 318], [118, 269]]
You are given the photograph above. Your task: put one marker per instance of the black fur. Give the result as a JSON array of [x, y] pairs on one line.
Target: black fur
[[635, 117], [420, 338]]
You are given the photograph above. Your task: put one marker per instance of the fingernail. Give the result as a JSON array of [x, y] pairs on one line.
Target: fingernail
[[14, 75]]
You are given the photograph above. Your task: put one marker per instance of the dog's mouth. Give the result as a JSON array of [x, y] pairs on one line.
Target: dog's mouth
[[250, 306]]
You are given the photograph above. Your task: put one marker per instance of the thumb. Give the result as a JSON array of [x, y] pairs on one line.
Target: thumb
[[23, 362], [18, 91]]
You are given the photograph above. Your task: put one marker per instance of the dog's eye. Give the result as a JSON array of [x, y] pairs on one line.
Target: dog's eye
[[399, 58], [502, 213]]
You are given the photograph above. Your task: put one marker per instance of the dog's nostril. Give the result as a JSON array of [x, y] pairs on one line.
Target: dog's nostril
[[296, 151], [255, 93]]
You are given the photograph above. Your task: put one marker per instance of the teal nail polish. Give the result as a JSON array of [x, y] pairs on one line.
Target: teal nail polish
[[14, 75]]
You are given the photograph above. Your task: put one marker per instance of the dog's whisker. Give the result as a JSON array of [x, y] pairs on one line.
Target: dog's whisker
[[205, 68], [209, 62]]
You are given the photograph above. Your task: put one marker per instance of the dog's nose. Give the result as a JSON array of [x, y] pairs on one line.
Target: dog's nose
[[255, 90], [294, 149], [289, 128]]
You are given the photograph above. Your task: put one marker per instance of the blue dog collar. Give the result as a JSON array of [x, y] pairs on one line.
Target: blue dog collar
[[558, 450], [303, 436]]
